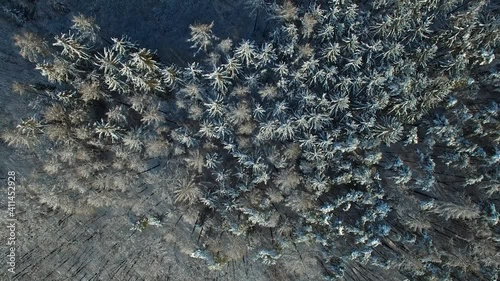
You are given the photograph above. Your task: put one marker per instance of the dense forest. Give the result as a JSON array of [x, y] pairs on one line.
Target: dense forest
[[351, 140]]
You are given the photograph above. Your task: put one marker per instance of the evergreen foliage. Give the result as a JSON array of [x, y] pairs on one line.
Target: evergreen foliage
[[368, 131]]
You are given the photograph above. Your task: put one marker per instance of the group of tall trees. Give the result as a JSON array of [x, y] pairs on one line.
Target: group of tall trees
[[367, 131]]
